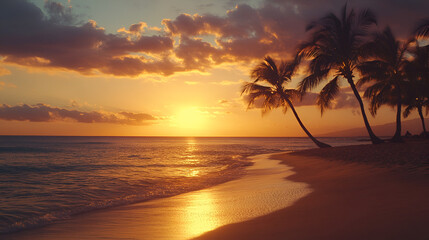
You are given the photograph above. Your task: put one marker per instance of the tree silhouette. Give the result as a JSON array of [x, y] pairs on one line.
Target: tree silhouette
[[334, 48], [269, 85], [417, 70], [385, 70]]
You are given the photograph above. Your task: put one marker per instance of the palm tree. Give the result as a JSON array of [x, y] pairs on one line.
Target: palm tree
[[385, 70], [268, 85], [417, 70], [334, 48], [422, 28]]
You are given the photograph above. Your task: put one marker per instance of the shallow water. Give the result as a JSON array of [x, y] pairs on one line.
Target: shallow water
[[263, 190], [47, 179]]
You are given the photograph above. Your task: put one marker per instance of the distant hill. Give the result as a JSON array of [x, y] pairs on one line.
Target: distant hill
[[414, 126]]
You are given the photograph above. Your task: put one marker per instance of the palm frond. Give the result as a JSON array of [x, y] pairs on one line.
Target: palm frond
[[271, 101], [312, 81], [374, 70], [286, 70], [408, 110], [422, 28], [327, 94], [267, 87], [367, 18], [379, 94], [292, 94]]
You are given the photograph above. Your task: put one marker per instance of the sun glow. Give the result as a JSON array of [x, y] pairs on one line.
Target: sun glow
[[190, 118]]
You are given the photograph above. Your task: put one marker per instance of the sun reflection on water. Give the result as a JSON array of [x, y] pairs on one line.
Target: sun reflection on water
[[200, 214], [193, 173], [191, 148]]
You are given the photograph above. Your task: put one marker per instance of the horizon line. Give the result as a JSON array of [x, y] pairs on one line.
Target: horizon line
[[29, 135]]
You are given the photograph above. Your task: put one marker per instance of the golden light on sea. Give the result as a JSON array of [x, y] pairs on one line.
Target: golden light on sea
[[191, 158], [200, 214]]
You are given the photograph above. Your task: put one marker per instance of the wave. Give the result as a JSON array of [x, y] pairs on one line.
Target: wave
[[89, 143], [166, 188], [19, 169], [26, 150]]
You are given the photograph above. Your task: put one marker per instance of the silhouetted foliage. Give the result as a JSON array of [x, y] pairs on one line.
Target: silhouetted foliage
[[417, 70], [269, 86], [334, 48], [384, 70], [422, 28]]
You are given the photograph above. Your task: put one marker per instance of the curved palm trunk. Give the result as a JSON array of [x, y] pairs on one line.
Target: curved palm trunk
[[317, 142], [419, 108], [374, 138], [397, 137]]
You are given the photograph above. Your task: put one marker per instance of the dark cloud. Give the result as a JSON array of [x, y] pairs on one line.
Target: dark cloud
[[400, 15], [245, 33], [58, 13], [46, 113], [137, 27], [197, 54], [31, 38]]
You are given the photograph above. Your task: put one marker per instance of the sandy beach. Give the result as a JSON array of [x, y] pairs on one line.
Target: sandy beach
[[360, 192]]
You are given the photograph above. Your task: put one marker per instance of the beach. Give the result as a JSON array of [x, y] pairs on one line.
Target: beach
[[263, 190], [349, 192], [360, 192]]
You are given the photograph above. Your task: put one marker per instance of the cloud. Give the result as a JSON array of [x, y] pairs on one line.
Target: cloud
[[32, 39], [6, 85], [400, 15], [228, 83], [58, 13], [191, 82], [46, 113], [4, 71], [244, 34]]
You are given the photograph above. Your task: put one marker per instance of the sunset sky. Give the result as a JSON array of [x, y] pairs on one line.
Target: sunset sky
[[164, 68]]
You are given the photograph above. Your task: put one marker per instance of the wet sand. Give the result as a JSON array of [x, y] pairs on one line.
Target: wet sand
[[360, 192], [262, 191]]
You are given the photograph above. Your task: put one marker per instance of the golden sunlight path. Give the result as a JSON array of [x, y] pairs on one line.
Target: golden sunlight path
[[262, 191]]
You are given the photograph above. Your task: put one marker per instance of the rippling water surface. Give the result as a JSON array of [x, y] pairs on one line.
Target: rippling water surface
[[44, 179]]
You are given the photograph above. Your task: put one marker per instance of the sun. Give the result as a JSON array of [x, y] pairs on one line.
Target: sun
[[190, 118]]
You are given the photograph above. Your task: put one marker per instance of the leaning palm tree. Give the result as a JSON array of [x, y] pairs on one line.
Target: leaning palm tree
[[334, 48], [385, 70], [417, 94], [268, 85]]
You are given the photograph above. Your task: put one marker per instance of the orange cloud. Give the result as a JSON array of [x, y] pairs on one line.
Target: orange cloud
[[46, 113], [4, 71]]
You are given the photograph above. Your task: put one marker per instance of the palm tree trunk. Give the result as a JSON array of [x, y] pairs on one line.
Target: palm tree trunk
[[317, 142], [419, 108], [397, 137], [374, 138]]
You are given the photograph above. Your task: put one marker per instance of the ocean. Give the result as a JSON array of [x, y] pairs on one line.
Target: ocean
[[48, 179]]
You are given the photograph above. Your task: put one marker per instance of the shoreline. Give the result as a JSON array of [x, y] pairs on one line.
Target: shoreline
[[353, 198], [186, 215], [350, 198]]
